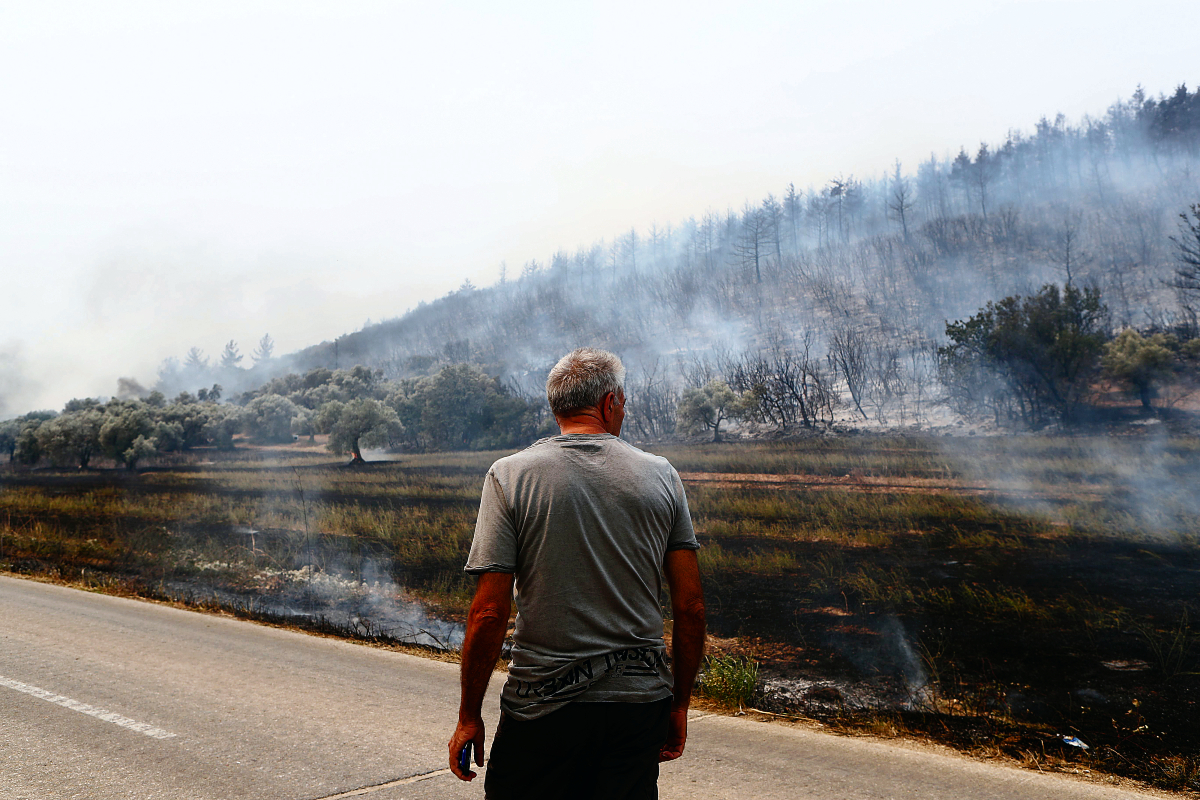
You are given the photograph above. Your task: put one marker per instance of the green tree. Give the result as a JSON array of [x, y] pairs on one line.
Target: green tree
[[221, 423], [73, 437], [169, 437], [1141, 363], [188, 422], [269, 418], [265, 349], [10, 429], [361, 422], [1026, 358], [230, 357], [707, 407], [461, 407], [356, 382], [26, 450], [209, 395], [140, 448], [304, 424], [81, 404], [126, 436]]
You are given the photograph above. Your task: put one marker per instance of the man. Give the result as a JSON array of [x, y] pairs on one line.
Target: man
[[587, 526]]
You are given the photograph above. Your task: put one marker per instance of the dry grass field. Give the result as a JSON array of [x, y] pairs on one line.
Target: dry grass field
[[995, 593]]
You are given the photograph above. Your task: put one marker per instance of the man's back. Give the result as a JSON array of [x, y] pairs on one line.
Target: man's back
[[582, 529], [584, 521]]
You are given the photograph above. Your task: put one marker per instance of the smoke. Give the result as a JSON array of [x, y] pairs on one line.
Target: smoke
[[363, 600], [1141, 484], [130, 389], [15, 385], [890, 653], [1151, 484], [834, 260], [805, 265], [288, 560], [294, 572]]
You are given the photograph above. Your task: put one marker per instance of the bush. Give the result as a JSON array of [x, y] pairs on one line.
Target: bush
[[1139, 362], [126, 435], [1025, 359], [705, 408], [729, 680], [269, 418]]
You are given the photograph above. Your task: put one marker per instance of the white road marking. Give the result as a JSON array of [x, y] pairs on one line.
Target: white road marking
[[84, 708], [379, 786]]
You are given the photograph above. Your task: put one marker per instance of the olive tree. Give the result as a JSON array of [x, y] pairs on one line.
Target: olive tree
[[185, 423], [462, 407], [304, 424], [71, 438], [126, 435], [10, 429], [269, 418], [221, 423], [26, 449], [1140, 362], [361, 422], [139, 448], [706, 407]]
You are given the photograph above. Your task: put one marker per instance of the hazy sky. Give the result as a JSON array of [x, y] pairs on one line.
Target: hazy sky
[[178, 174]]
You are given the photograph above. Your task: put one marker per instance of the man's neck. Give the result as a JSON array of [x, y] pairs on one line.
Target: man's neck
[[580, 427], [584, 422]]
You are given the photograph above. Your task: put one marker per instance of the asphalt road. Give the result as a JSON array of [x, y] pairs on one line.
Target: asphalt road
[[102, 697]]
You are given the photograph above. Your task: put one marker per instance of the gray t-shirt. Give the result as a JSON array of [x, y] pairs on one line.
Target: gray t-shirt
[[583, 522]]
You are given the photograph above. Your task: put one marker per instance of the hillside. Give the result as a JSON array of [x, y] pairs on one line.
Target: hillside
[[826, 302], [885, 261]]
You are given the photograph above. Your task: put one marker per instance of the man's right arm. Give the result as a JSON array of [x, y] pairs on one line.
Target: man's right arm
[[487, 623], [682, 569], [493, 556]]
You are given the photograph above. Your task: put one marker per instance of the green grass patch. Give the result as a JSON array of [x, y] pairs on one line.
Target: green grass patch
[[729, 680]]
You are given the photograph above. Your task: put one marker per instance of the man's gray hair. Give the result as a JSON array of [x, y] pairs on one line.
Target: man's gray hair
[[582, 378]]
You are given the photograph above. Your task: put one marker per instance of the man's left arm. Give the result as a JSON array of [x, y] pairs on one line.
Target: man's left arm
[[487, 623], [682, 569]]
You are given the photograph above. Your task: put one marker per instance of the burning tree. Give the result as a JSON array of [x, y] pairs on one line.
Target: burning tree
[[360, 422]]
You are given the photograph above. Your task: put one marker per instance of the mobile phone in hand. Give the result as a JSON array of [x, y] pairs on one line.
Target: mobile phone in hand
[[464, 758]]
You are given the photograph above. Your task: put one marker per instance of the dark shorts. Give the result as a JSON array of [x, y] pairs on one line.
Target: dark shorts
[[583, 750]]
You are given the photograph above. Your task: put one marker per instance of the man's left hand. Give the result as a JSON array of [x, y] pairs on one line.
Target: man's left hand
[[470, 730], [676, 736]]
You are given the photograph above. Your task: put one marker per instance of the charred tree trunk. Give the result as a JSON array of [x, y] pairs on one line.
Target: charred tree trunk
[[356, 459], [1146, 394]]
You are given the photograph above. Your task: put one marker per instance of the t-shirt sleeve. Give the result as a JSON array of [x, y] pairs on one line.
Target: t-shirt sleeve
[[683, 536], [494, 546]]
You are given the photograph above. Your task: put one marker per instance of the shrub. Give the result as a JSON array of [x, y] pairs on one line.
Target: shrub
[[729, 680], [269, 418], [707, 407], [1027, 359], [1139, 362]]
